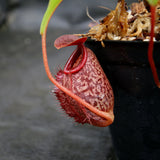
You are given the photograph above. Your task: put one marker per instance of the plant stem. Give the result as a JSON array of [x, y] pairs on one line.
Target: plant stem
[[150, 48]]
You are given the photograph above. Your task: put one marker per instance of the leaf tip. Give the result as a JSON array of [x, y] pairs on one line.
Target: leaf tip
[[52, 5]]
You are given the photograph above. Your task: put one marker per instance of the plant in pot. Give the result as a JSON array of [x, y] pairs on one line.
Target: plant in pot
[[121, 42]]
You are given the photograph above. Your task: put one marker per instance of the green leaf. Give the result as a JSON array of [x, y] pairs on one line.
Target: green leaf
[[53, 4], [152, 2]]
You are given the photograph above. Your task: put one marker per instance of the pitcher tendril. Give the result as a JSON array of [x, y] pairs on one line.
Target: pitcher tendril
[[107, 117]]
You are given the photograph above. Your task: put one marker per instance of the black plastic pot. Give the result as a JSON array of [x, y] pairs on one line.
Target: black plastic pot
[[136, 129]]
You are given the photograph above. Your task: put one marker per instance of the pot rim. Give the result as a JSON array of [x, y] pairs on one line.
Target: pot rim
[[124, 41]]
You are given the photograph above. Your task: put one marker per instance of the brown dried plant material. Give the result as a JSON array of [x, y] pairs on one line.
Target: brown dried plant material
[[116, 22], [121, 24], [113, 25], [137, 8]]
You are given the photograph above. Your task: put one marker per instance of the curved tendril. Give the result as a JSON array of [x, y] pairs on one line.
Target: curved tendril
[[108, 116], [150, 48]]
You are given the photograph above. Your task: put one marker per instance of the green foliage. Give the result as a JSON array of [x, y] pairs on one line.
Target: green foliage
[[52, 5], [152, 2]]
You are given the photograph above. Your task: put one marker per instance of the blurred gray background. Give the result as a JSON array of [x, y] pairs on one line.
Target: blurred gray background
[[32, 125]]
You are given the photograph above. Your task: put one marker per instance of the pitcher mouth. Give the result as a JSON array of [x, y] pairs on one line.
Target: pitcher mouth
[[76, 61]]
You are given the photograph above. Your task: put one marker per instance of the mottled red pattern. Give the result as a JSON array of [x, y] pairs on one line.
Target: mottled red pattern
[[90, 83]]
